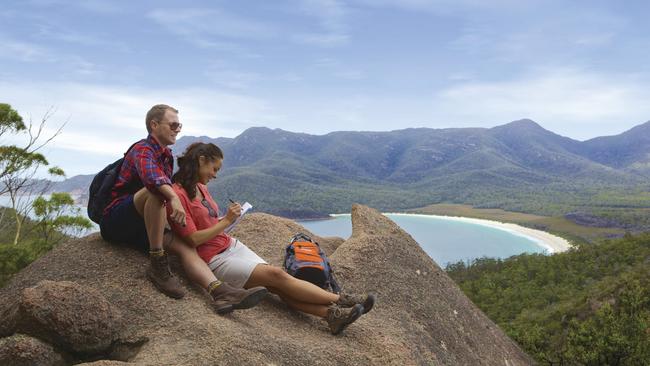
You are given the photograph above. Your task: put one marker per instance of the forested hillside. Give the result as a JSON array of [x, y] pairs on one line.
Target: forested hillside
[[518, 166], [588, 306]]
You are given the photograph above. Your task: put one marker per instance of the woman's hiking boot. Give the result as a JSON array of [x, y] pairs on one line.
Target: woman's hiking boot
[[348, 300], [339, 318], [162, 277], [227, 298]]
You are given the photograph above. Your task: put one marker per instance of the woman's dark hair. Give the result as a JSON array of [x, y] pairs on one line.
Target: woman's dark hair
[[188, 165]]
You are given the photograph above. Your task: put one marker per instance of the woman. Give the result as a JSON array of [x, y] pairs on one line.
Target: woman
[[234, 262]]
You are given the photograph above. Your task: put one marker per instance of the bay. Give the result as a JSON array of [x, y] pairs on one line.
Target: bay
[[445, 241]]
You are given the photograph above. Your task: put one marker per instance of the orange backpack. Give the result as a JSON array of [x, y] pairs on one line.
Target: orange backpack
[[305, 260]]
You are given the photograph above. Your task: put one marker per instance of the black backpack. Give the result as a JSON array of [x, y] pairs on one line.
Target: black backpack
[[99, 194], [305, 260]]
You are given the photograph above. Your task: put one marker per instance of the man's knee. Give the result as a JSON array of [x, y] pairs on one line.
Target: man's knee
[[144, 199]]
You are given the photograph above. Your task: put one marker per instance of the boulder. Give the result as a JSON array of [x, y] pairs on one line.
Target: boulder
[[22, 350], [76, 318], [426, 316]]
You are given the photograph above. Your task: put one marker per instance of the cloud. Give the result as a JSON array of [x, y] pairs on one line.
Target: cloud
[[331, 16], [13, 49], [105, 120], [29, 52], [222, 74], [93, 6], [448, 7], [569, 101], [51, 31], [322, 39], [330, 12], [208, 28], [337, 69], [574, 36]]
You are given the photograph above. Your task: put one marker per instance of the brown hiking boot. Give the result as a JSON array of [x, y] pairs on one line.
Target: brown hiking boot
[[339, 318], [227, 298], [162, 277], [348, 300]]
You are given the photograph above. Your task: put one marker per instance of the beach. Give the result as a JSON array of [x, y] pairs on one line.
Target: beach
[[550, 242]]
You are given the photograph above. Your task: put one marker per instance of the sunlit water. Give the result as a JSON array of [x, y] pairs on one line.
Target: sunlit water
[[443, 240]]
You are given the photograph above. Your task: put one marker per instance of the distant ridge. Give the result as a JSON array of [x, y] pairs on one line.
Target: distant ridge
[[629, 150], [302, 175]]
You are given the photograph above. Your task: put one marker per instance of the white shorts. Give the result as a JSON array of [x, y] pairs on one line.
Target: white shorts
[[235, 264]]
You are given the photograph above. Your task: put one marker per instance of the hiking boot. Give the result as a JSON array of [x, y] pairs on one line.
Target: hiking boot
[[339, 318], [348, 300], [161, 276], [227, 298]]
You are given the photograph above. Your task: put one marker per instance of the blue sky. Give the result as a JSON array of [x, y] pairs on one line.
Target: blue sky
[[578, 68]]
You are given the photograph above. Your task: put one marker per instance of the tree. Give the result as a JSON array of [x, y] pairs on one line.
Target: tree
[[56, 216], [618, 334], [18, 165]]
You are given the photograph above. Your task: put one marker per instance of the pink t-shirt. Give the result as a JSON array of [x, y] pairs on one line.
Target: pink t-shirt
[[198, 218]]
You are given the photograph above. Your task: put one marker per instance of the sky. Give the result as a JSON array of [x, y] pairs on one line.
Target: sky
[[578, 68]]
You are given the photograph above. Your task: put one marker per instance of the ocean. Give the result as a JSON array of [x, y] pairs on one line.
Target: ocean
[[445, 241]]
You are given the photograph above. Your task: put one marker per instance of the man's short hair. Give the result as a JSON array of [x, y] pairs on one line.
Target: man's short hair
[[156, 113]]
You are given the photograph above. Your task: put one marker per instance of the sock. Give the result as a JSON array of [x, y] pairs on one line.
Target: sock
[[213, 286], [156, 252]]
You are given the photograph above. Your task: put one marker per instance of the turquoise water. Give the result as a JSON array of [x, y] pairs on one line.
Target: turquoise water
[[443, 240]]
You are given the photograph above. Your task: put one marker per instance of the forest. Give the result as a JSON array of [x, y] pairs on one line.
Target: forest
[[587, 306]]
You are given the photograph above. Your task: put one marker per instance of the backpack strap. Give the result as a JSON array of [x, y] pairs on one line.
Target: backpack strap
[[336, 288], [131, 147]]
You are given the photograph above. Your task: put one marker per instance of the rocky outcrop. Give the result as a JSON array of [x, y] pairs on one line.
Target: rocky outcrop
[[425, 315], [421, 317], [21, 350], [65, 314]]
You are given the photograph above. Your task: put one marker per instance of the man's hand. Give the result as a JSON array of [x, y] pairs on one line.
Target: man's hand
[[234, 210], [178, 213]]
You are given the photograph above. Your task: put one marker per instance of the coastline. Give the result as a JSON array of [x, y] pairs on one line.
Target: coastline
[[551, 243]]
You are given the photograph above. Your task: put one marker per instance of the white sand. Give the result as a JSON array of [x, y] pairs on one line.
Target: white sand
[[552, 243]]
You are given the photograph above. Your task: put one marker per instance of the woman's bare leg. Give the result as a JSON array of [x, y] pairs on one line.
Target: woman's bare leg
[[197, 270], [297, 290]]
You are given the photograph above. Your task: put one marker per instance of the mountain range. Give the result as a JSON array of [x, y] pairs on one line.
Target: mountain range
[[519, 166]]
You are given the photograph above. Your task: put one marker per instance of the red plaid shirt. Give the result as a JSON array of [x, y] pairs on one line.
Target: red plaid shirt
[[147, 164]]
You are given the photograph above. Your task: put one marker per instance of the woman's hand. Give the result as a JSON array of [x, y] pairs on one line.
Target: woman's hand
[[234, 210]]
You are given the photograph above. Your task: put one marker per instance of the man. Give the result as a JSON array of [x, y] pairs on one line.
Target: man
[[137, 215]]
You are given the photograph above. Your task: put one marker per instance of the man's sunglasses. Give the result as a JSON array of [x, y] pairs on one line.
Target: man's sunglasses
[[174, 125], [211, 211]]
